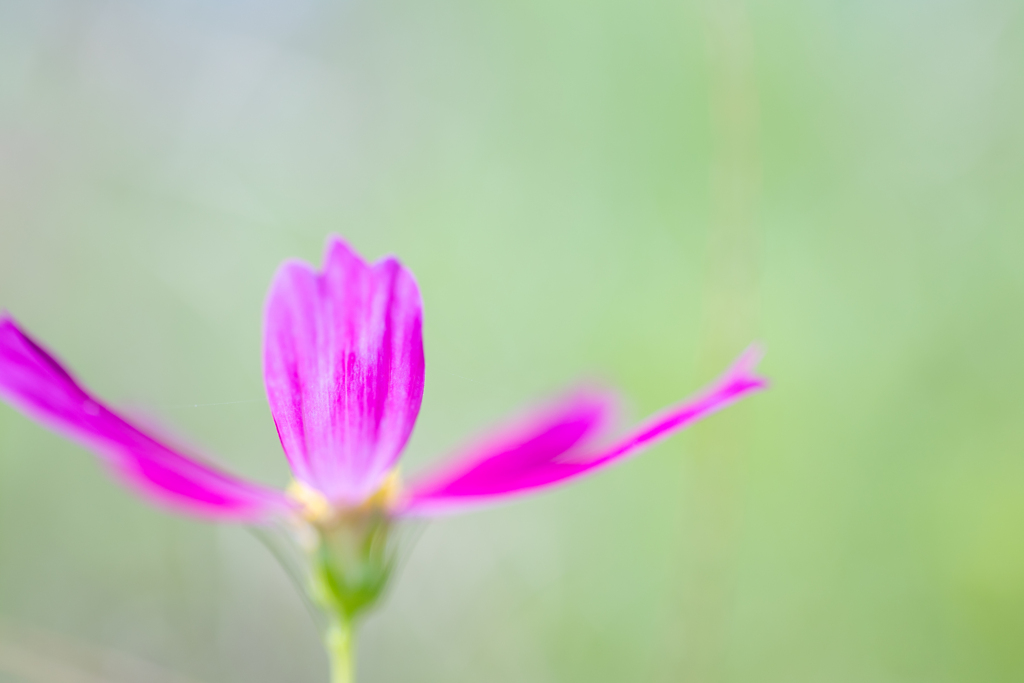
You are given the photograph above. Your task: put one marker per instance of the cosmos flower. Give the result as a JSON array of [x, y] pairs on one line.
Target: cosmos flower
[[344, 367]]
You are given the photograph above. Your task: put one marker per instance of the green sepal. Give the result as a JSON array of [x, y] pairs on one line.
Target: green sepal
[[351, 564]]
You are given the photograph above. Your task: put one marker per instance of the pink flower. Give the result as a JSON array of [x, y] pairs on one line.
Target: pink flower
[[343, 366]]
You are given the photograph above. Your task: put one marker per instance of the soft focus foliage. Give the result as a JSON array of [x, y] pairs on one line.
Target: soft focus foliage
[[553, 174]]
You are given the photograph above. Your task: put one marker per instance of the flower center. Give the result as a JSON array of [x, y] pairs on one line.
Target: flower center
[[316, 509]]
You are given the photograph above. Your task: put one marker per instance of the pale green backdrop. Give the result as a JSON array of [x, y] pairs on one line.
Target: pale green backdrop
[[624, 190]]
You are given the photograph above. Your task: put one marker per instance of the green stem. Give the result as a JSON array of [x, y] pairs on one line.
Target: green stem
[[338, 641]]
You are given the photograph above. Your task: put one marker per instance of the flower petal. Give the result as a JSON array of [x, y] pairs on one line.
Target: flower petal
[[528, 445], [34, 382], [343, 365], [537, 461]]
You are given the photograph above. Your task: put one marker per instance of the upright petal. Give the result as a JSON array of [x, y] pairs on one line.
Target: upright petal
[[536, 460], [343, 366], [34, 382]]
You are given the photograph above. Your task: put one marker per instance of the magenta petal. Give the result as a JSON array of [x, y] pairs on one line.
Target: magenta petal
[[343, 366], [506, 472], [33, 381], [529, 445]]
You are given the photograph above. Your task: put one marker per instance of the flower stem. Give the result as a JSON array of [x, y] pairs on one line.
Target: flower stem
[[338, 641]]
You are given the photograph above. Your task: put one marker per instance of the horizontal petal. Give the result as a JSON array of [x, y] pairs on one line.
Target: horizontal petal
[[343, 366], [512, 453], [483, 483], [33, 381]]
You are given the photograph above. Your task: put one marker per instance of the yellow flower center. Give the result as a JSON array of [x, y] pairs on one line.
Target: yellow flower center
[[316, 509]]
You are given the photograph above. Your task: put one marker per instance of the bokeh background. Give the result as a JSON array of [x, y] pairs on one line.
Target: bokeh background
[[631, 191]]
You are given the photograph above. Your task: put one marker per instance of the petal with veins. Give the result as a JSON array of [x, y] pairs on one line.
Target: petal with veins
[[343, 366]]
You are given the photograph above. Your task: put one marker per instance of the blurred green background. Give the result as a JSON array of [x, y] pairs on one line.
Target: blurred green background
[[624, 190]]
